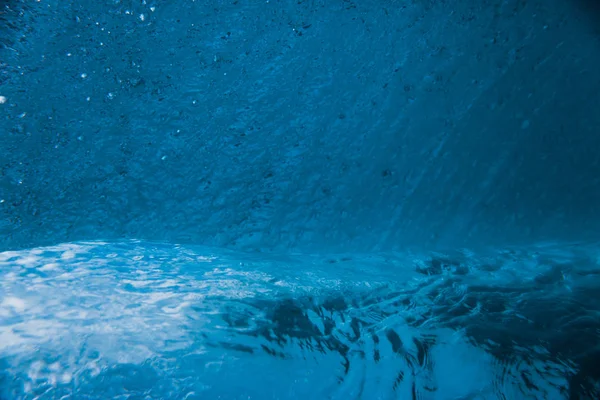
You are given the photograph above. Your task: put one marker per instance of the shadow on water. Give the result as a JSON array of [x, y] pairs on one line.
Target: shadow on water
[[592, 7], [590, 10]]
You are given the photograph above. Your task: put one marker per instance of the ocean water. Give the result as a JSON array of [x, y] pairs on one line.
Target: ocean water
[[299, 125], [142, 320], [299, 199]]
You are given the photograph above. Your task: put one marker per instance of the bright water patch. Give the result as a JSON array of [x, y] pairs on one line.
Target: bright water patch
[[139, 320]]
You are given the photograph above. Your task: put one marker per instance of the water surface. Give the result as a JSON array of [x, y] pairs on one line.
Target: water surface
[[142, 320]]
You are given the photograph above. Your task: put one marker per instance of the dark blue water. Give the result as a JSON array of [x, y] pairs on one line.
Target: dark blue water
[[299, 199]]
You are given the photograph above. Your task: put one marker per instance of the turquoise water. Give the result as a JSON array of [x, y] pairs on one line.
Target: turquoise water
[[142, 320], [330, 199]]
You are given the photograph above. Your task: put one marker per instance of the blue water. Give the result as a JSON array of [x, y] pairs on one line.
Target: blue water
[[141, 320], [299, 199]]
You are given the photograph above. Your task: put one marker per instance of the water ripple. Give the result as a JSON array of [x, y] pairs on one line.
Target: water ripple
[[147, 320]]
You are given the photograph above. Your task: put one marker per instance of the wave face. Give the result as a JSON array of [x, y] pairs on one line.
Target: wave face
[[312, 125], [140, 320]]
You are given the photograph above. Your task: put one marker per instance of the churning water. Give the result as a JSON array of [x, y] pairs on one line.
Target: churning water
[[141, 320], [279, 134]]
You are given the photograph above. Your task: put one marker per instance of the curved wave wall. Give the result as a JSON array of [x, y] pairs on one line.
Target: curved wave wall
[[307, 125]]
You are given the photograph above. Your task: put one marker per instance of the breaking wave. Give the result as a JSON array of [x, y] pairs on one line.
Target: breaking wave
[[140, 320]]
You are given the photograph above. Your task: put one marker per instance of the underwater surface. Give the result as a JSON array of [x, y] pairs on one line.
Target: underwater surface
[[300, 199], [141, 320], [300, 125]]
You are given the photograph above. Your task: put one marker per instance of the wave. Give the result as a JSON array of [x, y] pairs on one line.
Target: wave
[[148, 320]]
